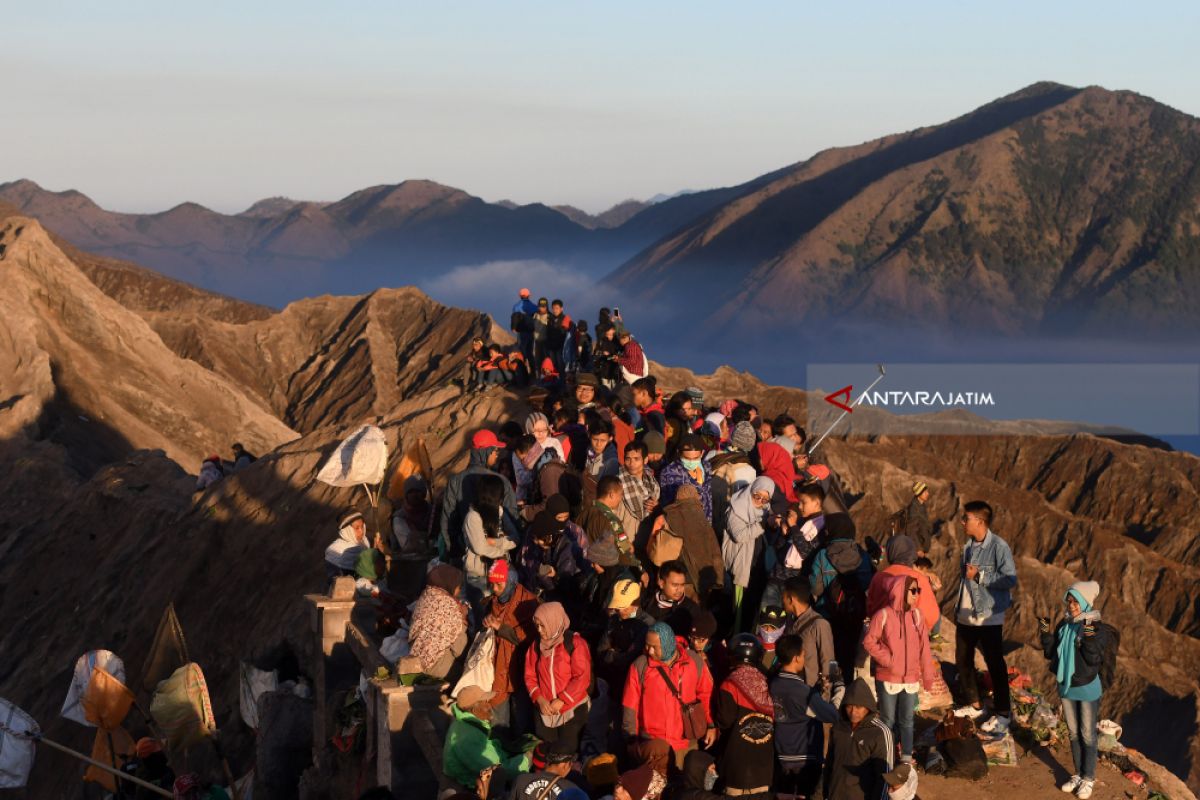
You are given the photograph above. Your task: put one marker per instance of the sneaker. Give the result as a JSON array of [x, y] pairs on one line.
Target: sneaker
[[1070, 786], [970, 712], [997, 725], [1085, 789]]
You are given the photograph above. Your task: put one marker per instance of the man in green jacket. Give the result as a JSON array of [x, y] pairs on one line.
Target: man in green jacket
[[470, 748]]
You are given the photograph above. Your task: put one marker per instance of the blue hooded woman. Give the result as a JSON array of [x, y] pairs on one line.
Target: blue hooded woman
[[1076, 650]]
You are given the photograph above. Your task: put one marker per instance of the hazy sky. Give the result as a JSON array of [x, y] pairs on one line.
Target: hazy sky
[[143, 105]]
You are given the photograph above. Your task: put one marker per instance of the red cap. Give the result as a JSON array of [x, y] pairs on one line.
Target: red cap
[[484, 438], [524, 293], [498, 572]]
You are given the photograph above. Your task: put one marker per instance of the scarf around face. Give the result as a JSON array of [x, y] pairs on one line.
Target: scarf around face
[[752, 684]]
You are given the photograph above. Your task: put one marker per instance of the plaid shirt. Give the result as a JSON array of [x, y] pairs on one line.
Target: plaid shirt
[[638, 491]]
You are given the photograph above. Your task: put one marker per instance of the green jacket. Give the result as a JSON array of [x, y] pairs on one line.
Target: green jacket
[[470, 749]]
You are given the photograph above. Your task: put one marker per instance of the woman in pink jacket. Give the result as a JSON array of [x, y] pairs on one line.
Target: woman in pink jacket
[[897, 640], [558, 674]]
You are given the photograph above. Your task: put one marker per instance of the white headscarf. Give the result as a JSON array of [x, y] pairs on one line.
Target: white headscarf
[[742, 504], [343, 553]]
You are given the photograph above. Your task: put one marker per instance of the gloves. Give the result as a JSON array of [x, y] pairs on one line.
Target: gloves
[[1089, 629]]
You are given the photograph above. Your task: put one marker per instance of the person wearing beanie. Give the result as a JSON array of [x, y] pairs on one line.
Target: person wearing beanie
[[656, 450], [917, 523], [461, 492], [1076, 651], [901, 553], [643, 783]]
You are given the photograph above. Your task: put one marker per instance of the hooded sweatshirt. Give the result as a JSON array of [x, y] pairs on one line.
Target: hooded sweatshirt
[[859, 756], [898, 641], [460, 492]]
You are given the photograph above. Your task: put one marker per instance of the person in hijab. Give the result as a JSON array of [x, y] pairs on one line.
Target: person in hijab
[[510, 614], [438, 633], [716, 428], [1075, 650], [776, 461], [701, 552], [742, 549], [341, 556], [643, 783], [537, 425], [412, 517], [558, 674]]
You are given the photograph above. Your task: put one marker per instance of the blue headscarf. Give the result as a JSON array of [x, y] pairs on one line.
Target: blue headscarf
[[667, 638], [1069, 633]]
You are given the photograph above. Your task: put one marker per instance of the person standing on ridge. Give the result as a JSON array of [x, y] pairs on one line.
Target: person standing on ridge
[[522, 323]]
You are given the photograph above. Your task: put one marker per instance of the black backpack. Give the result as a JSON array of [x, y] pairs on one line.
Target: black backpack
[[845, 599], [1108, 656], [569, 644], [520, 322]]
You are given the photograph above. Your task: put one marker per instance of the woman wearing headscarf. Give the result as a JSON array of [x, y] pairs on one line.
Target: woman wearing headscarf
[[701, 552], [537, 425], [716, 428], [643, 783], [510, 615], [1076, 651], [775, 460], [438, 633], [341, 556], [558, 674], [743, 546]]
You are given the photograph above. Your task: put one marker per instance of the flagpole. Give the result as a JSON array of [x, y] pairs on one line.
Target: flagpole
[[882, 372], [121, 775]]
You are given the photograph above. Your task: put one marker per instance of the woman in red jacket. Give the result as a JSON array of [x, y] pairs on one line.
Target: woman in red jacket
[[898, 643], [558, 673]]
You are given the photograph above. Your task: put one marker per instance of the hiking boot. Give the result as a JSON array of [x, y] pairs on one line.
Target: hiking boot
[[1085, 789], [970, 712], [997, 725], [1070, 786]]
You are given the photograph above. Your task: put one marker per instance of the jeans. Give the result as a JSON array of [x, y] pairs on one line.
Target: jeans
[[1081, 717], [990, 641], [896, 711]]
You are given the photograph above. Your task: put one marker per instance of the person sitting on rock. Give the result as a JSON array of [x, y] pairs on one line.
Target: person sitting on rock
[[470, 747], [211, 471], [341, 556]]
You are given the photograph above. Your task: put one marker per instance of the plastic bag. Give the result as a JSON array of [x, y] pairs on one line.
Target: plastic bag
[[106, 660], [16, 752], [480, 667], [1043, 717], [254, 683], [360, 458], [396, 647], [182, 709], [1110, 734]]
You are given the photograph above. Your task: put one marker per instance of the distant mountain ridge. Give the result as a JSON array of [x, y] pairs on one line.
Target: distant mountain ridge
[[1052, 210]]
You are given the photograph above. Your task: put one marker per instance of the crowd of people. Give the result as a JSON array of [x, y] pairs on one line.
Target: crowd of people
[[679, 602]]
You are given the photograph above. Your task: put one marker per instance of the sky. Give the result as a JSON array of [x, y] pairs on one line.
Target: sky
[[145, 105]]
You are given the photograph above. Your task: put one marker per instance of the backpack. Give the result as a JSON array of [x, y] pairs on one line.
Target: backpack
[[569, 645], [520, 322], [845, 599], [1108, 656]]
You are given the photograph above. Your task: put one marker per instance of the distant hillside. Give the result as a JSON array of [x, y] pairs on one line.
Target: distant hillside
[[614, 217], [1052, 210]]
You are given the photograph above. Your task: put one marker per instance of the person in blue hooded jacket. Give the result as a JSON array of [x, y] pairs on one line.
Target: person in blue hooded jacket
[[1076, 650]]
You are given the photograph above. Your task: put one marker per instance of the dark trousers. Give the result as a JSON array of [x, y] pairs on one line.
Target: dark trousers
[[568, 733], [800, 782], [989, 640]]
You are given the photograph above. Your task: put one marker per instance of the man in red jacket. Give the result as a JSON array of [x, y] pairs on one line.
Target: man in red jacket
[[659, 685]]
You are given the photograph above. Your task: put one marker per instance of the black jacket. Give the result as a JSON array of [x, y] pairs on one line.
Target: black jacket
[[858, 758], [747, 743], [1089, 653], [918, 525]]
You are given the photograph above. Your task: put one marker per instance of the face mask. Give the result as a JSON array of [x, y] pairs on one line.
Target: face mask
[[690, 463], [710, 780]]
